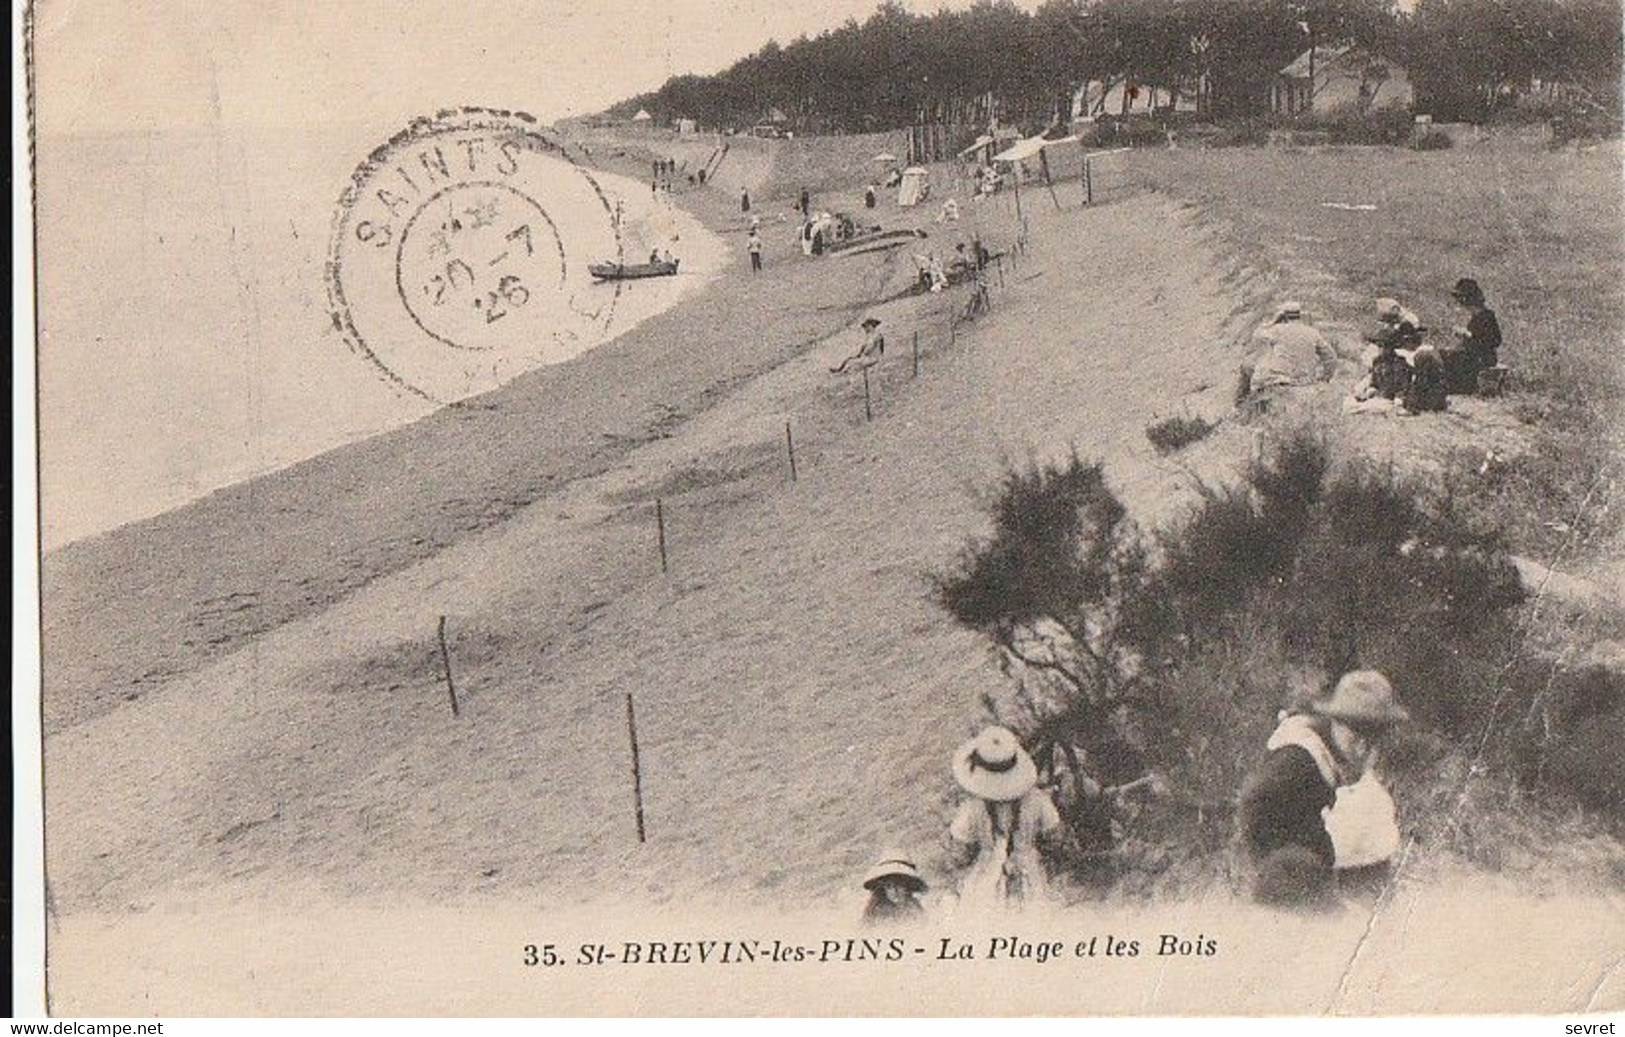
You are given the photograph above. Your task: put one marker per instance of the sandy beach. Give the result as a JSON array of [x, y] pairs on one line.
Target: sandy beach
[[528, 521]]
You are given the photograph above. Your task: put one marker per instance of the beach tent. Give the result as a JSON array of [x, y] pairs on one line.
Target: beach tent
[[916, 186], [1021, 150], [984, 141], [642, 116]]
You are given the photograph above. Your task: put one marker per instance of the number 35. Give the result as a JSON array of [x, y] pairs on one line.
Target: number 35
[[547, 954]]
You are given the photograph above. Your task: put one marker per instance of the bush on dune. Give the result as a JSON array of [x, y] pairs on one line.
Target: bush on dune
[[1168, 655]]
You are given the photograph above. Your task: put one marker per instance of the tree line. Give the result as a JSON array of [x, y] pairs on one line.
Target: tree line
[[1466, 59]]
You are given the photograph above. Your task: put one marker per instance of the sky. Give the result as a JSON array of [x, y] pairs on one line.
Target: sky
[[109, 66]]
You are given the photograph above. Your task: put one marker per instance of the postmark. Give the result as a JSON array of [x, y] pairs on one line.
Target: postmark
[[459, 252]]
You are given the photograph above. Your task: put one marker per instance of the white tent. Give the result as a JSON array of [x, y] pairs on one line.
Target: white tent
[[916, 186], [1021, 150], [981, 142], [642, 116]]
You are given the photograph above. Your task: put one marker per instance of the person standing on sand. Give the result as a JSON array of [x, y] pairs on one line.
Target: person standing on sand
[[744, 199], [1289, 801], [753, 245], [998, 830]]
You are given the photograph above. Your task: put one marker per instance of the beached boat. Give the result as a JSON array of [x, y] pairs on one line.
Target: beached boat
[[868, 241], [631, 271]]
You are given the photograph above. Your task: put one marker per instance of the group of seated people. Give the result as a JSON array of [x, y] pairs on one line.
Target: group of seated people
[[1406, 373], [1419, 376]]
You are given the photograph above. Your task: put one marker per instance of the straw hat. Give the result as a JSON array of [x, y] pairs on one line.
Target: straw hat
[[1289, 311], [1389, 309], [994, 766], [1362, 698], [898, 868]]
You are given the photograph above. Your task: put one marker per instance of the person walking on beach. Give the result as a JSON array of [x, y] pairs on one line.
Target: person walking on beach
[[753, 245], [998, 830], [1299, 821], [744, 199]]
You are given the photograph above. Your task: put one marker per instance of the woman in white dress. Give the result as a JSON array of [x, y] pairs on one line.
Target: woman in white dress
[[998, 829]]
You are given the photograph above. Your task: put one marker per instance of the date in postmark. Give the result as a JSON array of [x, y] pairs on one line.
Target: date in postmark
[[457, 255]]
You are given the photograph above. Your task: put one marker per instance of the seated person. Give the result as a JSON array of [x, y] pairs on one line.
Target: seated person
[[1289, 352], [1427, 389], [1478, 343], [1390, 373]]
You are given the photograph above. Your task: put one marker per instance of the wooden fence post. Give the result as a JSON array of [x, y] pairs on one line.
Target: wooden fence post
[[637, 765], [660, 530], [445, 666]]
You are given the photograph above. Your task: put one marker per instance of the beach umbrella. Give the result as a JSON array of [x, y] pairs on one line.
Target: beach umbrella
[[885, 156]]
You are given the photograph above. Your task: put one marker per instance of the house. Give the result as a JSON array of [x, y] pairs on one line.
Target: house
[[687, 127], [642, 116], [1337, 77]]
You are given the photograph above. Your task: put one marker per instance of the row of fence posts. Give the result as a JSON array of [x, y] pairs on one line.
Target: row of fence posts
[[1011, 254]]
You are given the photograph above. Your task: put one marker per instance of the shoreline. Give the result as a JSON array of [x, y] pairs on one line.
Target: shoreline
[[262, 399]]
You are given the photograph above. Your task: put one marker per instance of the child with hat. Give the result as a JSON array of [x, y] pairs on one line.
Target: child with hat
[[1000, 826], [894, 887]]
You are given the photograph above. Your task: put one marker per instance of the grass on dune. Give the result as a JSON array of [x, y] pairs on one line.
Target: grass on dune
[[1539, 229]]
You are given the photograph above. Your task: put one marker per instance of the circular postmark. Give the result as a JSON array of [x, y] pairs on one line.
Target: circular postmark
[[456, 254]]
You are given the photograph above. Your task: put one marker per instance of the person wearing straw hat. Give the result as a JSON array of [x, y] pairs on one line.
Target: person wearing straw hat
[[894, 887], [1290, 817], [998, 829], [1390, 373], [1292, 351], [1288, 351]]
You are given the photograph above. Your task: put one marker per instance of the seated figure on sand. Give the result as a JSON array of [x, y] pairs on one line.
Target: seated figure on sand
[[999, 829], [1390, 373], [894, 887], [1286, 352], [870, 353], [1478, 342], [1428, 383]]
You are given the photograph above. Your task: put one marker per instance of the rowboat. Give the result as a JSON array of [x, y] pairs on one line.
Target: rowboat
[[631, 271]]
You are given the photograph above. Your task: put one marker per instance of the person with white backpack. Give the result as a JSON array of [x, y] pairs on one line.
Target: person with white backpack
[[1313, 808]]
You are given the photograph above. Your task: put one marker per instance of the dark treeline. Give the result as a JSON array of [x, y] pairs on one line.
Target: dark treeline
[[1466, 58]]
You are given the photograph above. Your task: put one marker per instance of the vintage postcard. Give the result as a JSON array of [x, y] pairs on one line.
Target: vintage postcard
[[1080, 507]]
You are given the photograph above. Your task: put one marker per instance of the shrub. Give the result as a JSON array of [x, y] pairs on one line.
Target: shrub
[[1170, 656], [1178, 432], [1350, 125], [1433, 140]]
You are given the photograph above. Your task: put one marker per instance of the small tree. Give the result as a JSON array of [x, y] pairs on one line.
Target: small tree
[[1052, 587]]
